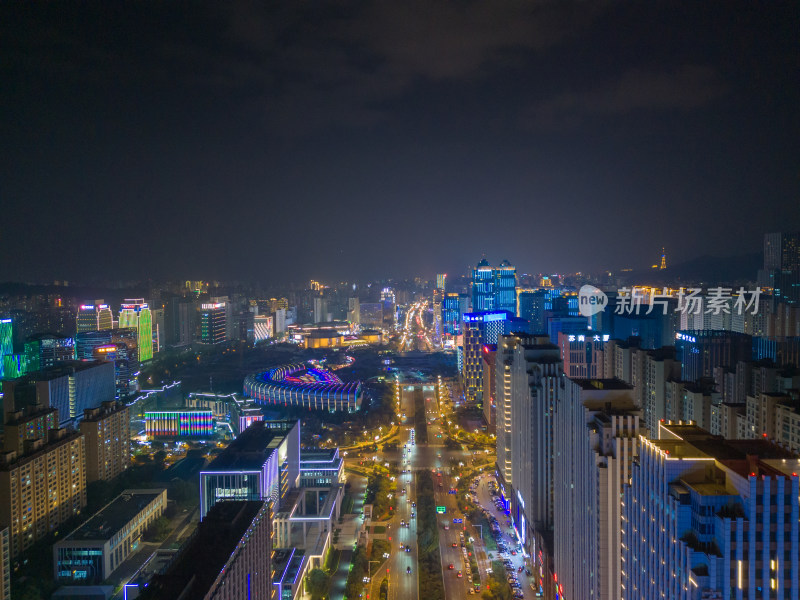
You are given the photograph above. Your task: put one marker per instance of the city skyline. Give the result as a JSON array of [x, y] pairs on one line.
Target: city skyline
[[343, 300], [355, 140]]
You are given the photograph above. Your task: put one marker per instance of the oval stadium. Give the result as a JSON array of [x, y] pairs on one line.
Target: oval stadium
[[301, 384]]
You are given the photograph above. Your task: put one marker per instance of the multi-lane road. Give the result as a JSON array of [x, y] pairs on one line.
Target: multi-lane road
[[414, 335], [433, 457], [414, 457]]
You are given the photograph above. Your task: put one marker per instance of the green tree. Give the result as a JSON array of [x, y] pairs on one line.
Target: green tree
[[182, 492], [317, 583], [158, 530]]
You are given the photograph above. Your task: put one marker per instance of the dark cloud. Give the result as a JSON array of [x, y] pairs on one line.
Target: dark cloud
[[686, 88], [297, 139]]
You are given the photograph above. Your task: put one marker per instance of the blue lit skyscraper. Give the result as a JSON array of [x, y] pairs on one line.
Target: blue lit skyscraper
[[505, 288], [87, 341], [483, 287], [494, 288], [451, 314]]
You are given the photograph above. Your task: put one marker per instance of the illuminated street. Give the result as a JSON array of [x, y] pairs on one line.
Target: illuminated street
[[415, 335]]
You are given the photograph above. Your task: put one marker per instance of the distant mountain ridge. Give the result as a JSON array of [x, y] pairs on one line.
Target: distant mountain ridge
[[708, 270]]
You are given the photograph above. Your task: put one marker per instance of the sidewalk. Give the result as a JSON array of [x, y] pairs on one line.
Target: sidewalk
[[339, 578]]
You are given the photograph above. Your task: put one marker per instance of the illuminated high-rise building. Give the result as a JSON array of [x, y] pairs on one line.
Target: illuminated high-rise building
[[108, 440], [87, 341], [438, 297], [596, 426], [320, 308], [5, 563], [230, 557], [158, 328], [86, 319], [494, 288], [125, 368], [353, 311], [483, 287], [46, 350], [128, 337], [505, 288], [528, 373], [136, 313], [14, 365], [6, 345], [263, 329], [480, 329], [42, 485], [389, 306], [531, 307], [94, 317], [212, 323], [262, 463], [782, 266], [708, 517], [441, 281], [453, 308]]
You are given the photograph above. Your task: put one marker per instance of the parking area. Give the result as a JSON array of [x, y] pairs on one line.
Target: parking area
[[508, 550]]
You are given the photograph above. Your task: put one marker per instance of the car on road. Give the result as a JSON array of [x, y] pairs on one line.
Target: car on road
[[408, 569], [408, 548], [455, 545], [451, 566], [459, 574]]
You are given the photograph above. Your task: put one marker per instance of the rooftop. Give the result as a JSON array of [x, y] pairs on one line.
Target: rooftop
[[111, 519], [318, 454], [287, 563], [65, 367], [253, 446], [741, 456], [709, 488], [204, 556], [602, 384]]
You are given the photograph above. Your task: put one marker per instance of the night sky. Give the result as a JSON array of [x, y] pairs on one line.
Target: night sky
[[357, 139]]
